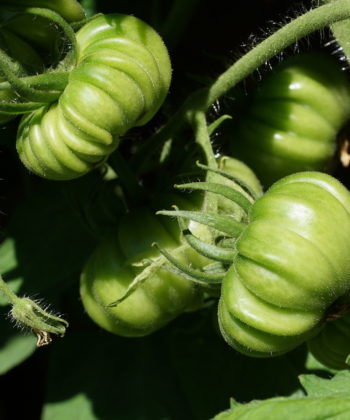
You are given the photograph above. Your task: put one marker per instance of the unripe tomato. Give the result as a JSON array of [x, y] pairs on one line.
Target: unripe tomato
[[121, 78], [291, 265], [332, 345], [293, 121], [124, 255], [70, 10]]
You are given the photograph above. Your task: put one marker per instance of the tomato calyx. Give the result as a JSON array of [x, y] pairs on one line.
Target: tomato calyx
[[227, 229]]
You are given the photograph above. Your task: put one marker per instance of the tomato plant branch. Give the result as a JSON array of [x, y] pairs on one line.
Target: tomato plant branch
[[203, 99], [341, 31], [203, 140], [21, 86], [27, 313]]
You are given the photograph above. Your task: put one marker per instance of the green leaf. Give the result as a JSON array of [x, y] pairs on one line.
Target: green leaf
[[46, 244], [211, 372], [326, 399], [96, 375], [15, 346], [318, 387]]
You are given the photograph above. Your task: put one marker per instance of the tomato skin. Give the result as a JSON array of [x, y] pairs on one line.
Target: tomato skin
[[121, 79], [292, 122], [115, 263], [291, 265], [332, 345], [70, 10]]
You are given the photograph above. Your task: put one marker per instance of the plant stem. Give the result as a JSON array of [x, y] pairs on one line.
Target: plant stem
[[7, 292], [202, 100], [341, 31], [203, 140], [21, 86]]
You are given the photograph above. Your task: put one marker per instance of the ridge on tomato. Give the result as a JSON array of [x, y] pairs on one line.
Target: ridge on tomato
[[289, 264], [120, 80], [294, 118], [128, 253], [70, 10], [332, 345]]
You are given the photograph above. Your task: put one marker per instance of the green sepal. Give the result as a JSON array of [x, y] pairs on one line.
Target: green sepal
[[201, 277], [220, 189], [225, 224], [150, 267], [216, 124], [237, 180], [213, 252]]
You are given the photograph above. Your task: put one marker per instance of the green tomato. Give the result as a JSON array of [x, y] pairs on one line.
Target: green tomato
[[121, 79], [35, 30], [291, 265], [128, 253], [121, 257], [332, 345], [70, 10], [293, 120]]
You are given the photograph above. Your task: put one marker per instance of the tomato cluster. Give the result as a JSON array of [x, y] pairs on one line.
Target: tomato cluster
[[278, 261]]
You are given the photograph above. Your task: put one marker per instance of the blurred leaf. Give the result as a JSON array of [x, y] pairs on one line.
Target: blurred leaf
[[46, 244], [318, 387], [15, 346], [211, 372], [327, 399], [89, 7], [95, 376], [8, 262], [312, 364]]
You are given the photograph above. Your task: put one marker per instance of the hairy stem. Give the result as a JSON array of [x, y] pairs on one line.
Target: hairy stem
[[7, 292], [200, 128], [341, 31]]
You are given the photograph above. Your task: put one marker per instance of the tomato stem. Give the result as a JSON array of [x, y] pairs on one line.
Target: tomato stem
[[40, 89], [7, 292]]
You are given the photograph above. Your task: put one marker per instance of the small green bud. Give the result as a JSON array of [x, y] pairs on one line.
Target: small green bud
[[27, 313]]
